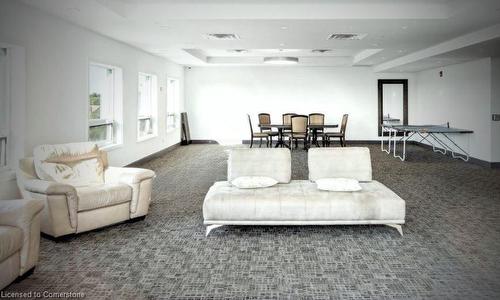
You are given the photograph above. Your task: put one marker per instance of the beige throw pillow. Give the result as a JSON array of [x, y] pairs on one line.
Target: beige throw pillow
[[77, 164]]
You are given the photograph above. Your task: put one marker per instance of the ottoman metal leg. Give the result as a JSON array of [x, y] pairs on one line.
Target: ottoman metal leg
[[210, 227]]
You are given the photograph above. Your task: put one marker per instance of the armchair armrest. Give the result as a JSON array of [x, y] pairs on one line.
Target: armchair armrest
[[24, 214], [140, 180], [19, 213], [54, 188], [48, 187], [128, 175]]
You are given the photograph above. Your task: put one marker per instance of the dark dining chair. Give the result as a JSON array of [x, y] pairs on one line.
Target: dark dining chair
[[265, 119], [316, 119], [340, 135], [257, 135], [299, 130], [287, 119]]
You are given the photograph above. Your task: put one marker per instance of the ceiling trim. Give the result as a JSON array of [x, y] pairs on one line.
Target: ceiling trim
[[466, 40]]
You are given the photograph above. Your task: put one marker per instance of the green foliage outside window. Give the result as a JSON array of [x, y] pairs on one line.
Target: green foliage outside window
[[98, 133], [94, 106]]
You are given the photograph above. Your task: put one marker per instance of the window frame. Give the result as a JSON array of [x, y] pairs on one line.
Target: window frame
[[5, 134], [114, 124], [176, 111], [153, 115]]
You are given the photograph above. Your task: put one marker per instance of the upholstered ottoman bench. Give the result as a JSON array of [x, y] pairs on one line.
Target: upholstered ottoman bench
[[300, 202]]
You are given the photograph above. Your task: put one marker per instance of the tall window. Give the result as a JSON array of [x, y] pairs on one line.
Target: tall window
[[4, 108], [147, 106], [173, 97], [105, 101]]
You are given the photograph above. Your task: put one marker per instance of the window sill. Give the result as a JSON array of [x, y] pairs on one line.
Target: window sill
[[146, 138], [110, 147]]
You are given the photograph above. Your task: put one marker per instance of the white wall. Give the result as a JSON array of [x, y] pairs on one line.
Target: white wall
[[463, 98], [495, 109], [218, 98], [57, 58]]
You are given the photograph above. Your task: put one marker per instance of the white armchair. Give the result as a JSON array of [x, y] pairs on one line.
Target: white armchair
[[19, 238], [81, 192]]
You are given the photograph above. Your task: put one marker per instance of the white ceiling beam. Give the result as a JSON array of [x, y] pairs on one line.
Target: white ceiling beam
[[466, 40], [198, 53], [363, 55]]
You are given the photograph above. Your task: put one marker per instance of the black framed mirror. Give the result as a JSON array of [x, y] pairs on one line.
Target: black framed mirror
[[392, 102]]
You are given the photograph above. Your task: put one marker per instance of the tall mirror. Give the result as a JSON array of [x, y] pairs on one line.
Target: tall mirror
[[392, 102]]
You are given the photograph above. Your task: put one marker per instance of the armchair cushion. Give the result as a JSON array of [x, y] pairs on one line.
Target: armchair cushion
[[77, 164], [11, 241], [98, 196]]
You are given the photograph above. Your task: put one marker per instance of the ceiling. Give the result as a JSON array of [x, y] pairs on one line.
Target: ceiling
[[401, 35]]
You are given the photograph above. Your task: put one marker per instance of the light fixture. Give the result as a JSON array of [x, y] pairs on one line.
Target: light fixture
[[284, 28], [237, 50], [320, 50], [285, 60]]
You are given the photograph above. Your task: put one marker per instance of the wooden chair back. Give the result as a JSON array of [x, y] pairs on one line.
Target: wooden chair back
[[287, 118], [250, 123], [264, 119], [316, 119], [299, 124], [344, 123]]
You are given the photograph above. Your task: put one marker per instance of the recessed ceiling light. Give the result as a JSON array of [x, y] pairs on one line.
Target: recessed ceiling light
[[401, 50], [284, 27], [320, 50], [237, 50], [375, 45], [286, 60], [282, 44], [281, 50], [404, 27]]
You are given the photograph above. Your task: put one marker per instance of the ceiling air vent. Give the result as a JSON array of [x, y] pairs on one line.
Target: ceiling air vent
[[346, 36], [222, 36]]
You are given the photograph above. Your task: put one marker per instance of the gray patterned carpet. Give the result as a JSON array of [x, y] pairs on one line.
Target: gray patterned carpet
[[451, 247]]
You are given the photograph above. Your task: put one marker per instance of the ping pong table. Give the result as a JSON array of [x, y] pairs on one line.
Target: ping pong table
[[436, 135]]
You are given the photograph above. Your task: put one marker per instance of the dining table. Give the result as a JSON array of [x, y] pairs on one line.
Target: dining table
[[282, 127]]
